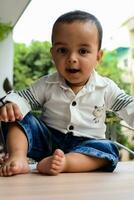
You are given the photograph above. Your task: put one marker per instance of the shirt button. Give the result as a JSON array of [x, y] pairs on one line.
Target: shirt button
[[70, 133], [71, 127], [74, 103]]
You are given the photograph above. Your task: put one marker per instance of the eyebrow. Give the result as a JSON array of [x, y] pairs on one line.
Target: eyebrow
[[85, 45], [63, 43]]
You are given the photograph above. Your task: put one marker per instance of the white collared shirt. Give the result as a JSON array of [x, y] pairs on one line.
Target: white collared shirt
[[82, 113]]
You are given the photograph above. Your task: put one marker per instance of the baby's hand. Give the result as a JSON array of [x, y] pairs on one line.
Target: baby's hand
[[10, 112]]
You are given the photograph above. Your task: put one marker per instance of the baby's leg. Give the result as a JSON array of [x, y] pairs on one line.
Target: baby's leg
[[77, 162], [17, 146], [71, 162]]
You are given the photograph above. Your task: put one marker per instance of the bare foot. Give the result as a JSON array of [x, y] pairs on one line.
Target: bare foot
[[13, 166], [54, 164]]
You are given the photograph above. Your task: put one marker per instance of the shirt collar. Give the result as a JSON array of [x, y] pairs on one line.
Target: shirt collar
[[95, 80], [56, 78]]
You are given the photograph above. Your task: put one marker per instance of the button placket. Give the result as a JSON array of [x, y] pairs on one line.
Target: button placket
[[74, 103], [71, 127]]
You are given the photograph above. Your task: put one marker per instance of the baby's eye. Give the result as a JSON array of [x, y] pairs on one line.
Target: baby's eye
[[83, 51], [62, 50]]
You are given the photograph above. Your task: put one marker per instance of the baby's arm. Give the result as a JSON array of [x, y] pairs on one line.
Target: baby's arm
[[120, 103], [13, 107]]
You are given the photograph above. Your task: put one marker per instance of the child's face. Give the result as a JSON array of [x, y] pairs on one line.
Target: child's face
[[75, 51]]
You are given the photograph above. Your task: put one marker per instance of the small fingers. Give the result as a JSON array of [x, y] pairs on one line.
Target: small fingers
[[17, 112], [3, 114], [10, 112]]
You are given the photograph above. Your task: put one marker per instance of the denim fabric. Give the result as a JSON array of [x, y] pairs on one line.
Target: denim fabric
[[43, 140]]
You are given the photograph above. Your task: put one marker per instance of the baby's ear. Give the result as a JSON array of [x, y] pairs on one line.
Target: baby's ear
[[99, 55], [51, 50]]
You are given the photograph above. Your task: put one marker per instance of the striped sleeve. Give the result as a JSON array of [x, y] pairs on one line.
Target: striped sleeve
[[27, 94], [121, 101]]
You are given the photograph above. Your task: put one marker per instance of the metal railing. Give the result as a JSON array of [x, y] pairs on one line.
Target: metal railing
[[121, 145]]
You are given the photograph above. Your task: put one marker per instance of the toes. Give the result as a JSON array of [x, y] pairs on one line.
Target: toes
[[55, 166], [52, 165], [56, 159], [57, 162], [6, 170], [59, 153], [13, 168]]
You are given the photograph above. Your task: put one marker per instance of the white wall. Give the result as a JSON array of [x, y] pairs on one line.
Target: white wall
[[6, 61]]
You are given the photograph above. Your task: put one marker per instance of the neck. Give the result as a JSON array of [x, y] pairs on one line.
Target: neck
[[75, 87]]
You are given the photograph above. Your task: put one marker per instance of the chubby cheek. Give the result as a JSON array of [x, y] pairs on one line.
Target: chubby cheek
[[62, 64], [86, 74], [60, 67], [87, 67]]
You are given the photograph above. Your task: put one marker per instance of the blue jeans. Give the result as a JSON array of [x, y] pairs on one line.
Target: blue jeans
[[43, 140]]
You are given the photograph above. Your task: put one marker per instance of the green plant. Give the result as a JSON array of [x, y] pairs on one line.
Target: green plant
[[5, 29]]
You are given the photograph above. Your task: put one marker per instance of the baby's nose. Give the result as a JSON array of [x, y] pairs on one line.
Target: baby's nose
[[72, 59]]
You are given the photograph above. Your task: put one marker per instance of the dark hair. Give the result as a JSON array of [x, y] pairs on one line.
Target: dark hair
[[82, 16]]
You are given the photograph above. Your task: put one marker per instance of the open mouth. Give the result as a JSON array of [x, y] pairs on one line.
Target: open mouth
[[73, 71]]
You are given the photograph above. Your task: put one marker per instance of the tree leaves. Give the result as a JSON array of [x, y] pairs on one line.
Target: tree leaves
[[5, 29], [31, 62]]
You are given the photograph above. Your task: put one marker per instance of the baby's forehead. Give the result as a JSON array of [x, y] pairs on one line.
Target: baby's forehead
[[77, 28], [79, 25]]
